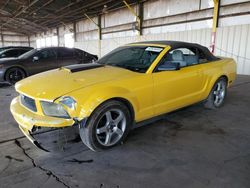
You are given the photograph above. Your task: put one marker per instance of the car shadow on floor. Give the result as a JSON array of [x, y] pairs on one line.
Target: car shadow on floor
[[3, 85]]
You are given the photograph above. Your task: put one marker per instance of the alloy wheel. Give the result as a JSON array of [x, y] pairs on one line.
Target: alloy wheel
[[111, 127], [219, 93], [15, 75]]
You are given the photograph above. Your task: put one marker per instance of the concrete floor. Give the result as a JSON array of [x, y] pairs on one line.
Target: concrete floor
[[192, 147]]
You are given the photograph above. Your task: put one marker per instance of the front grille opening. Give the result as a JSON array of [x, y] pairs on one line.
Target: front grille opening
[[28, 103]]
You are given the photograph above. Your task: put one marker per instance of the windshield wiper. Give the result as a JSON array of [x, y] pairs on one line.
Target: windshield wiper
[[131, 68], [135, 69]]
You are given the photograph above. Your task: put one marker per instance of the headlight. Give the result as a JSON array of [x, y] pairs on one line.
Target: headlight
[[69, 102], [54, 109]]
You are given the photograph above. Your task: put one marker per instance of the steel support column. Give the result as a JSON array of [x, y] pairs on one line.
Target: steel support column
[[74, 31], [2, 38], [58, 37], [141, 17], [138, 19], [98, 24], [99, 27], [99, 35], [215, 23], [29, 40]]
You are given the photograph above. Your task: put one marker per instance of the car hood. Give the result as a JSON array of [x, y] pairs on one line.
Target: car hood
[[55, 83]]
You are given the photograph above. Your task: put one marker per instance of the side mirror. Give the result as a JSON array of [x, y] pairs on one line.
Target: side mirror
[[3, 55], [35, 58], [169, 67]]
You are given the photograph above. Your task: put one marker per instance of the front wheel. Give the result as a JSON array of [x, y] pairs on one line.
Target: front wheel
[[217, 95], [107, 126], [14, 75]]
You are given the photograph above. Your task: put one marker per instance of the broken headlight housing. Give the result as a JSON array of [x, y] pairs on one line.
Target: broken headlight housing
[[54, 109], [69, 102]]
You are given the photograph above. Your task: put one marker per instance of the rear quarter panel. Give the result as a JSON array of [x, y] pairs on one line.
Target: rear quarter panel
[[216, 69]]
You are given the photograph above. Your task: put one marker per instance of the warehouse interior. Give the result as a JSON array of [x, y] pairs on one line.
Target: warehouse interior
[[99, 27], [190, 147]]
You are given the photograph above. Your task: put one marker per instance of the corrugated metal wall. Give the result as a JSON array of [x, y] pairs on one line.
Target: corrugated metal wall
[[232, 41], [13, 39]]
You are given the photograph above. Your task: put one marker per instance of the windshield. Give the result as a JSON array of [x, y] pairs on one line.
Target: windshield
[[28, 54], [134, 58]]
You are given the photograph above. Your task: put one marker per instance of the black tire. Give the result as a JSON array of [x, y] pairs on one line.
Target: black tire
[[14, 75], [91, 134], [211, 103]]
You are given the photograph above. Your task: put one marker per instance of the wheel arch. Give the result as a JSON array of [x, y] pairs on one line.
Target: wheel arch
[[213, 81], [127, 103], [86, 127], [15, 66], [122, 100], [224, 76], [90, 100]]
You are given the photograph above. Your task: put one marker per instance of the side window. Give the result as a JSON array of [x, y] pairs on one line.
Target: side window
[[202, 57], [22, 51], [46, 54], [78, 54], [182, 56], [11, 53], [65, 53]]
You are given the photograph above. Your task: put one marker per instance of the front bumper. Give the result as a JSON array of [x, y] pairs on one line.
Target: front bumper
[[26, 132], [27, 120]]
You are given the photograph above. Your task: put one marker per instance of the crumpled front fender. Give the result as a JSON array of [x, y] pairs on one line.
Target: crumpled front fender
[[88, 103]]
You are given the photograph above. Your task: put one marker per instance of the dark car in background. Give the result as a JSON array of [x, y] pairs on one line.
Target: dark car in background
[[39, 60], [9, 47], [13, 52]]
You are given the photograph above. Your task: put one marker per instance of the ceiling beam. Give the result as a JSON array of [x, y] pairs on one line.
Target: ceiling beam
[[44, 5], [28, 22], [78, 14], [20, 12], [43, 28], [79, 10], [23, 25], [5, 4], [16, 29], [51, 13], [61, 9]]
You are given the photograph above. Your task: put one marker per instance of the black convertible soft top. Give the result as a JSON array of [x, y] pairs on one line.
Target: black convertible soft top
[[180, 44]]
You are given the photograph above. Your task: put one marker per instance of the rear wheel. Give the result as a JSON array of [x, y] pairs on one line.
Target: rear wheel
[[14, 75], [107, 126], [217, 95]]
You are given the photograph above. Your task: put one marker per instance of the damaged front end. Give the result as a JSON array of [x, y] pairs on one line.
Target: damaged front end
[[37, 126], [51, 139], [27, 133]]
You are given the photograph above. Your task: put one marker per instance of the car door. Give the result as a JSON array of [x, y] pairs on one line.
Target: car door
[[43, 60], [174, 89], [66, 57]]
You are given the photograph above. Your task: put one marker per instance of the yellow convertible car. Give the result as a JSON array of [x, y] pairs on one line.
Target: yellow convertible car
[[131, 84]]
